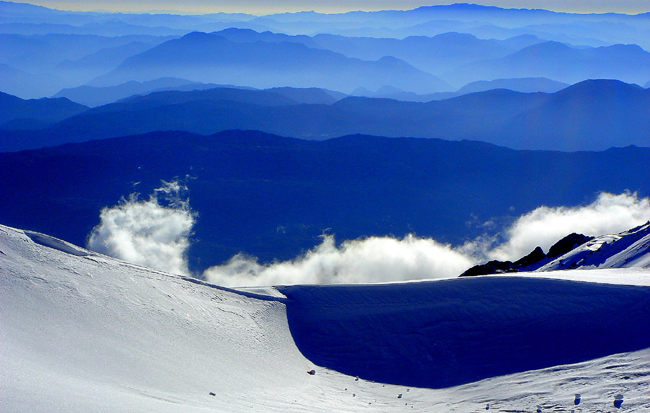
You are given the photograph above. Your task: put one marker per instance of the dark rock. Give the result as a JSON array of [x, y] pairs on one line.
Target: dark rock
[[566, 244], [492, 267], [532, 261], [534, 257], [498, 267]]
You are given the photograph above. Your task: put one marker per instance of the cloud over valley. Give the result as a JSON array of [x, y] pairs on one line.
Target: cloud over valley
[[156, 233]]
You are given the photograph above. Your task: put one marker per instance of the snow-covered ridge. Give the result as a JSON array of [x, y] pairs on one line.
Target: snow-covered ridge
[[86, 332], [627, 249], [91, 333]]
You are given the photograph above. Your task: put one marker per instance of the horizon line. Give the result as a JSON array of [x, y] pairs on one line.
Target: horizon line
[[230, 10]]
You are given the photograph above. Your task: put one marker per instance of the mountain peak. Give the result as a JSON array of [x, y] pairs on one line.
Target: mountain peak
[[602, 87], [626, 249], [455, 36]]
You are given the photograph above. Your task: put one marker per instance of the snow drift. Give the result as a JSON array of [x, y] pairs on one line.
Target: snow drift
[[449, 332], [85, 332]]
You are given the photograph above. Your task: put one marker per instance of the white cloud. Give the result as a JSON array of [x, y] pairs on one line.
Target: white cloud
[[146, 232], [155, 235], [381, 259], [544, 226], [369, 260]]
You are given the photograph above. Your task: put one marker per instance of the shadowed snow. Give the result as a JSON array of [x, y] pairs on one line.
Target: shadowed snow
[[450, 332], [91, 333]]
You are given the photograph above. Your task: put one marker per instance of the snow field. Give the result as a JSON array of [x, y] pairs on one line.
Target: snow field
[[94, 334]]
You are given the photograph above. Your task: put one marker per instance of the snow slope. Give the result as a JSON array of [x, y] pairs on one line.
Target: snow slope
[[627, 249], [80, 331]]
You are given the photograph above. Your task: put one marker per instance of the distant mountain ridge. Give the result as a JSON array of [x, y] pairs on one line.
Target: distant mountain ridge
[[273, 197], [420, 62], [591, 115], [557, 61], [44, 64], [16, 113], [96, 96], [456, 58], [437, 54], [524, 85], [213, 58]]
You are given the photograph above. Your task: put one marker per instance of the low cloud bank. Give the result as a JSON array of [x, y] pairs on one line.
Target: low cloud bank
[[154, 233], [369, 260], [382, 259]]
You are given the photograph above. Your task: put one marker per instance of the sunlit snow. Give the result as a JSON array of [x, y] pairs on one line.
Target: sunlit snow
[[81, 331]]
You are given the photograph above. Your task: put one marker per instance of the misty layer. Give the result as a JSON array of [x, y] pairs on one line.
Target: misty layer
[[383, 259]]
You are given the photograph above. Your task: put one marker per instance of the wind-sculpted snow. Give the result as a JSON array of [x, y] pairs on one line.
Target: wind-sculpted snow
[[89, 333], [451, 332], [57, 244]]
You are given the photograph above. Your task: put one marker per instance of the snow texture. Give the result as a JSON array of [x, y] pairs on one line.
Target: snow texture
[[627, 249], [449, 332], [80, 331]]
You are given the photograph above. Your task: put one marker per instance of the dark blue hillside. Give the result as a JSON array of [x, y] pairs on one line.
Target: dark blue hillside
[[592, 115], [446, 333], [272, 197], [17, 113]]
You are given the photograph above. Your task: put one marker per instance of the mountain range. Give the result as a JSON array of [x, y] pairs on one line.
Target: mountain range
[[98, 96], [39, 65], [16, 113], [213, 58], [436, 55], [560, 62], [591, 115], [272, 197], [53, 61], [456, 58]]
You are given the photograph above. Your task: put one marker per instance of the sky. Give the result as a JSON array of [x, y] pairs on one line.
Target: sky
[[261, 7]]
